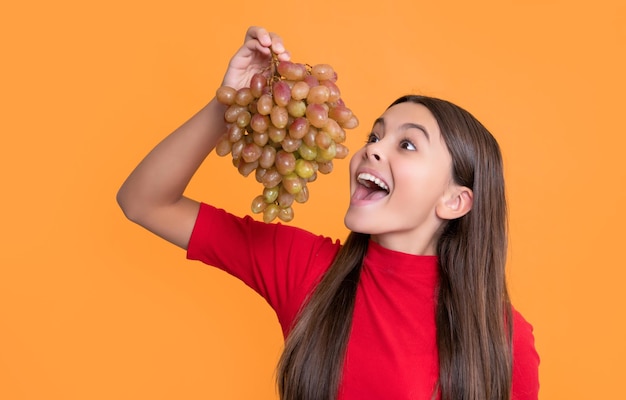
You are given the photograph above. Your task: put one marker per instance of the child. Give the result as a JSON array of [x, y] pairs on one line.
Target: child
[[414, 304]]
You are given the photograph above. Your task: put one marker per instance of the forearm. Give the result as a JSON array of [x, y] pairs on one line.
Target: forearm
[[162, 176]]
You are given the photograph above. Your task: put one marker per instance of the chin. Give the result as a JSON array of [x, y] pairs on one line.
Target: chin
[[357, 223]]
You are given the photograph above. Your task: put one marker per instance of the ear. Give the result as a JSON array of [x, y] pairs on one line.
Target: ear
[[455, 203]]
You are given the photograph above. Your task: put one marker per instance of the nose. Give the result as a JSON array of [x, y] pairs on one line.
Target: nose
[[372, 152]]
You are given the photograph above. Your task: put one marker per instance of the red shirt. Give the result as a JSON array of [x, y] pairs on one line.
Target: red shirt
[[392, 352]]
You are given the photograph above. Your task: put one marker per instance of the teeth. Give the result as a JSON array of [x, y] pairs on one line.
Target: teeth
[[365, 177]]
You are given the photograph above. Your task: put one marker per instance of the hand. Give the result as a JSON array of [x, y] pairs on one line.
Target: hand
[[253, 57]]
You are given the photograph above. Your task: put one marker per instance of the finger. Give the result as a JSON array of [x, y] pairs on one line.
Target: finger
[[278, 47], [259, 34]]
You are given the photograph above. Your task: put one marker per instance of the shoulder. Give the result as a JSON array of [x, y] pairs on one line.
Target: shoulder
[[525, 359]]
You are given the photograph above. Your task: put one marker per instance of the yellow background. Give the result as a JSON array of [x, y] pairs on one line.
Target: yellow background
[[93, 307]]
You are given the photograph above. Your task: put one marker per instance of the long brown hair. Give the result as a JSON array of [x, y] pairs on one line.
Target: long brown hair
[[473, 315]]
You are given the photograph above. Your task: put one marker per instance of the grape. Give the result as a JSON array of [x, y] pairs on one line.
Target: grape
[[244, 96], [224, 146], [258, 204], [257, 84], [287, 126], [317, 115], [286, 214], [279, 116], [226, 95]]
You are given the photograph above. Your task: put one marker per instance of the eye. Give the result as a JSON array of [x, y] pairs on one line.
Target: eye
[[407, 145], [372, 138]]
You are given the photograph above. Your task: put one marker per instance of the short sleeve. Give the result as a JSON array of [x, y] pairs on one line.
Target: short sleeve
[[282, 263], [525, 360]]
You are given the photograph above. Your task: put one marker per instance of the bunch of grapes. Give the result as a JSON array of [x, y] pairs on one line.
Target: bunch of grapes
[[287, 127]]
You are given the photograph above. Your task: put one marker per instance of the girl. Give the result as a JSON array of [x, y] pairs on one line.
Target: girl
[[414, 304]]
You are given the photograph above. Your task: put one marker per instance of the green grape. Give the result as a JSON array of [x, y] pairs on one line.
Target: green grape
[[296, 108], [243, 118], [276, 134], [270, 194], [270, 213], [258, 204], [292, 183], [306, 152], [325, 155], [286, 214], [304, 168]]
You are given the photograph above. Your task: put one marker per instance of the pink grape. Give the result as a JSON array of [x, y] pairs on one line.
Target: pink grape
[[264, 104], [323, 71], [299, 127], [285, 162], [279, 116], [226, 95], [300, 90], [291, 71], [284, 198], [268, 157], [317, 115], [257, 84], [244, 96], [281, 93], [318, 95]]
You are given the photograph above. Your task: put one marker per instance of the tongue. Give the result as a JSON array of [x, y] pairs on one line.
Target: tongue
[[365, 193], [375, 195]]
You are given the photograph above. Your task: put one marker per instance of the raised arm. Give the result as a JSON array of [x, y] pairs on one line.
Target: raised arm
[[152, 195]]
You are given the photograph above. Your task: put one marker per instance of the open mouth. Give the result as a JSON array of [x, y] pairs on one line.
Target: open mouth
[[370, 187]]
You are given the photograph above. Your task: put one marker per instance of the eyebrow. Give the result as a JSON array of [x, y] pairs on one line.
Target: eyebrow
[[405, 126]]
